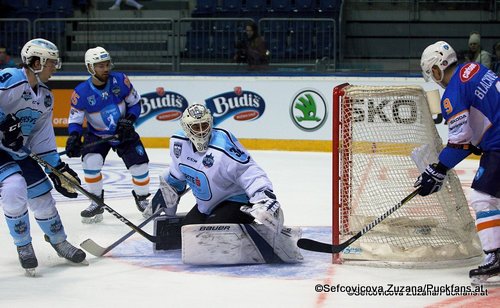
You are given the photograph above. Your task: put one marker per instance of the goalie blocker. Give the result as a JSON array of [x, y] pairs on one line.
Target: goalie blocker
[[228, 244]]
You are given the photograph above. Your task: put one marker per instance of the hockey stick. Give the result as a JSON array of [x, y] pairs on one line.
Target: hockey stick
[[97, 250], [95, 199], [313, 245], [103, 140]]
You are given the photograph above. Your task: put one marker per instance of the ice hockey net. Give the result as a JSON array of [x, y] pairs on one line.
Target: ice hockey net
[[382, 138]]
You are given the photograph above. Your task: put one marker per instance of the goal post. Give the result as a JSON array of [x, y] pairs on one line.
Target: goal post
[[383, 138]]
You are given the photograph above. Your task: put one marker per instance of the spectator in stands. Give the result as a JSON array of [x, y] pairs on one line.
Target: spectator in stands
[[133, 3], [253, 49], [495, 60], [5, 59], [476, 54]]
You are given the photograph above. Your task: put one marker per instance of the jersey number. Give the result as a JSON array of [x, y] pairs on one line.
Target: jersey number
[[236, 152], [5, 77]]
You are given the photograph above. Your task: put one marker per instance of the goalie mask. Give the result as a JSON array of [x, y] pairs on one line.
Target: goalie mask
[[440, 54], [42, 49], [197, 123], [96, 55]]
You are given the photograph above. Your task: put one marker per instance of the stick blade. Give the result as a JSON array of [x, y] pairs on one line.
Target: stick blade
[[313, 245], [93, 248]]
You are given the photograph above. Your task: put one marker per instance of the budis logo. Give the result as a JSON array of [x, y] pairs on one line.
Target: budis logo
[[165, 107], [308, 110], [239, 104]]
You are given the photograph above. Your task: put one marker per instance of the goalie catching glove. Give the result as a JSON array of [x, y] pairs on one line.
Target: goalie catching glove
[[266, 209], [166, 198], [61, 184], [431, 180]]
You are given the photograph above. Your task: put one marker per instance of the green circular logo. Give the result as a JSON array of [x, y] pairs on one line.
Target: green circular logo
[[308, 110]]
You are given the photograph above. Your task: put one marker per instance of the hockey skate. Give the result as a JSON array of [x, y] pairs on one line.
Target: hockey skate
[[142, 203], [93, 214], [27, 259], [65, 250], [488, 273]]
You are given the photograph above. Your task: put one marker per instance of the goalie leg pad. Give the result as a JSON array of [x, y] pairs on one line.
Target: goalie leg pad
[[219, 244], [285, 242], [232, 244]]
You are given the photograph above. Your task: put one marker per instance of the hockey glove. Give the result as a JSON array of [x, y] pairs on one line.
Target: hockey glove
[[11, 129], [431, 180], [74, 145], [166, 197], [61, 184], [265, 209], [125, 129]]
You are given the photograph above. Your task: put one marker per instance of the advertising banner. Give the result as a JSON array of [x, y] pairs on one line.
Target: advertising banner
[[264, 108]]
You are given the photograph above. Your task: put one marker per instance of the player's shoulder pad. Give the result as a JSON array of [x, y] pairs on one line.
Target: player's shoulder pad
[[180, 135], [12, 77], [43, 85], [83, 87], [121, 79], [222, 140]]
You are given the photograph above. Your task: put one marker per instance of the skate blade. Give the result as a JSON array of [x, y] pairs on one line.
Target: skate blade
[[83, 263], [486, 280], [92, 220], [30, 272]]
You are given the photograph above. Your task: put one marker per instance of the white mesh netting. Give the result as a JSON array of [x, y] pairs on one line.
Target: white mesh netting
[[387, 136]]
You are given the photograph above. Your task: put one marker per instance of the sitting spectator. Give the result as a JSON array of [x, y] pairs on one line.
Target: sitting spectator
[[5, 59], [495, 60], [252, 50], [476, 54], [133, 3]]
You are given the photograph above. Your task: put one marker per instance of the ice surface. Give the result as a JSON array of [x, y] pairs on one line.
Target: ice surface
[[132, 275]]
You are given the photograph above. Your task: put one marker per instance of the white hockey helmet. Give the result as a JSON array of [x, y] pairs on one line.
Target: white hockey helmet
[[42, 49], [440, 54], [96, 55], [197, 122]]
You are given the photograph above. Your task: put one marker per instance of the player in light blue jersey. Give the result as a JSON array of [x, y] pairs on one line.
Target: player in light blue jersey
[[471, 107], [110, 104], [26, 106], [228, 185]]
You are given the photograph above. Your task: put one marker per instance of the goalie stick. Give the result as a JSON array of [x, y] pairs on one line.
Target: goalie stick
[[97, 250], [103, 140], [94, 198], [312, 245]]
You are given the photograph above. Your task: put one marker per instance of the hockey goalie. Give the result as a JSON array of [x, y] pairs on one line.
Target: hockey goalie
[[232, 194]]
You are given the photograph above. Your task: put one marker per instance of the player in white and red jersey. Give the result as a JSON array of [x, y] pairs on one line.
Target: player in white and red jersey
[[471, 107]]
